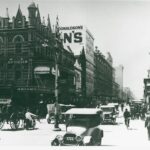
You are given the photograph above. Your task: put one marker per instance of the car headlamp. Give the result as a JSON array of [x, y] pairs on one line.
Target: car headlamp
[[87, 139], [59, 137], [78, 139]]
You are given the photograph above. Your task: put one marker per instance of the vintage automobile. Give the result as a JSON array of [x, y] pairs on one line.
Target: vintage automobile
[[82, 128], [50, 117], [109, 114], [116, 107]]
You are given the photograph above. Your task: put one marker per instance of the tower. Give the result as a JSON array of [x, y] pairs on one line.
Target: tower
[[32, 14]]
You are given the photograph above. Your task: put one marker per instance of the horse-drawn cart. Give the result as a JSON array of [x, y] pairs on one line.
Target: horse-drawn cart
[[12, 119], [10, 115]]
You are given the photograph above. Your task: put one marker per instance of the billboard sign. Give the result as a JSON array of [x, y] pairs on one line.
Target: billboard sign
[[73, 38]]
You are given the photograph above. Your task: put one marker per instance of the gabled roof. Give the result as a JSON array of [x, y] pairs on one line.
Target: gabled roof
[[49, 24], [19, 13]]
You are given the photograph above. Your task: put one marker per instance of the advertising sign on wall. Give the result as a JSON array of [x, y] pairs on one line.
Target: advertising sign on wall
[[73, 38]]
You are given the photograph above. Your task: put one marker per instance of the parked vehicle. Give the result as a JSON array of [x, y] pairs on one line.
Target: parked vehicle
[[82, 128], [62, 108], [116, 105], [109, 114]]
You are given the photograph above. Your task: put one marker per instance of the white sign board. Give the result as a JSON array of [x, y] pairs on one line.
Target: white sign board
[[74, 38]]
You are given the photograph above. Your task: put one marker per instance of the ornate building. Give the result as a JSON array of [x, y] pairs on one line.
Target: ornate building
[[28, 57]]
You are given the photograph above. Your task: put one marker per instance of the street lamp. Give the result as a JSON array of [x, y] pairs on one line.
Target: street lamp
[[56, 125]]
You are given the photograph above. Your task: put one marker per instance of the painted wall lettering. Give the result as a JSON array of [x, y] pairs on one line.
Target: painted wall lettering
[[73, 37]]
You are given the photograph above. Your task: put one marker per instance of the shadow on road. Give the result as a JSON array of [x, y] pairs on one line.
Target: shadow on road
[[107, 145], [132, 129], [20, 129]]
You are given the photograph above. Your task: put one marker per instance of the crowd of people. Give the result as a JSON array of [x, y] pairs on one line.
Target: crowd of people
[[137, 111]]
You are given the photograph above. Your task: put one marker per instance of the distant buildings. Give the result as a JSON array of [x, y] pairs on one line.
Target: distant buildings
[[119, 80], [147, 88], [128, 95]]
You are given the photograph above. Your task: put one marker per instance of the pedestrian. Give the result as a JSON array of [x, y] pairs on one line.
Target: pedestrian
[[127, 116], [147, 124], [122, 106], [30, 116]]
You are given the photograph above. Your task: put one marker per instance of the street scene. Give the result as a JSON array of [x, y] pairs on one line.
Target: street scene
[[43, 134], [75, 73]]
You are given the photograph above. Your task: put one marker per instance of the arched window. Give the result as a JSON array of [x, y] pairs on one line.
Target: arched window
[[18, 40], [1, 43], [18, 45]]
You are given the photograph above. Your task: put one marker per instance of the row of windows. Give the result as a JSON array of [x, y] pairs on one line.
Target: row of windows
[[104, 69], [17, 75], [18, 40]]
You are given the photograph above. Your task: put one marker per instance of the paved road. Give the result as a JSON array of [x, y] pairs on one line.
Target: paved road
[[115, 136]]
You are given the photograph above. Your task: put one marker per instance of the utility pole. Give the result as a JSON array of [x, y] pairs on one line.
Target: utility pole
[[56, 125]]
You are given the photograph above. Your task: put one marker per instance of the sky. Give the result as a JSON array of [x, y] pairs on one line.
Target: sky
[[120, 27]]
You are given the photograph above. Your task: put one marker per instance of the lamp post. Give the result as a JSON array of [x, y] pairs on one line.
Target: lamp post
[[56, 124]]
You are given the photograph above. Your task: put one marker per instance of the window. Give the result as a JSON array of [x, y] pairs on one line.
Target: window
[[17, 75], [1, 43], [18, 43]]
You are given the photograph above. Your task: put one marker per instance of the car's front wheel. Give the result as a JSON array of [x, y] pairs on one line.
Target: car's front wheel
[[91, 143], [55, 142], [48, 121], [100, 142]]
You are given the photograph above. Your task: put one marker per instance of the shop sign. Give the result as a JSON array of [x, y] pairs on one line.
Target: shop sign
[[20, 61], [36, 89]]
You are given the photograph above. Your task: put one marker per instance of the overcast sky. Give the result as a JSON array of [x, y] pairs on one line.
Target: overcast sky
[[120, 27]]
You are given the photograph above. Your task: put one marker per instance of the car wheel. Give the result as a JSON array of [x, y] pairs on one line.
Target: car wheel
[[55, 142], [92, 143], [100, 142], [81, 144], [48, 121], [1, 124]]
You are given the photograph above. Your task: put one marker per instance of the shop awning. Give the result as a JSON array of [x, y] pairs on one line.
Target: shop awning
[[42, 70], [5, 101]]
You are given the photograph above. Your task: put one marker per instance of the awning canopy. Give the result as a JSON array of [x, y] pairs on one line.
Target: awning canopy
[[5, 101], [42, 70], [83, 111]]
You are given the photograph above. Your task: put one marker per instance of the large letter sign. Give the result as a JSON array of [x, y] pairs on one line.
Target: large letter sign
[[67, 37], [73, 37], [78, 37]]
